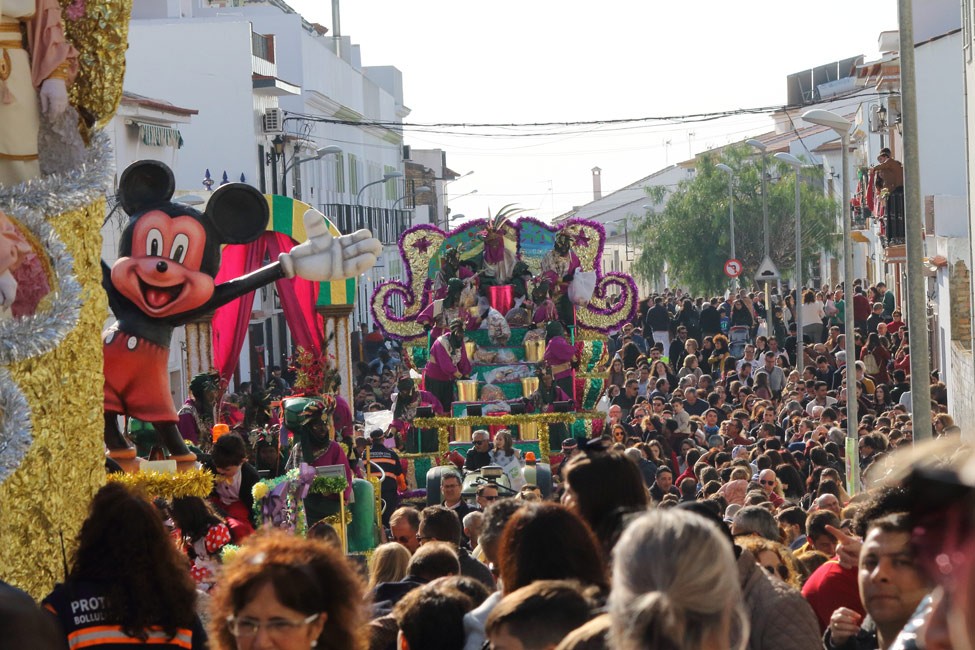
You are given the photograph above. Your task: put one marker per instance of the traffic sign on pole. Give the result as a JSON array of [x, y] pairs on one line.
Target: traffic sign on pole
[[767, 271], [732, 268]]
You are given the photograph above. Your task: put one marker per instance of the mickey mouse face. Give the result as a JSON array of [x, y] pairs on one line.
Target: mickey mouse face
[[162, 275]]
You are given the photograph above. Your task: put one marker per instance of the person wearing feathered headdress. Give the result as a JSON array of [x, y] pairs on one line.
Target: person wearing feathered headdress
[[196, 416], [499, 260], [448, 362], [268, 458], [314, 446]]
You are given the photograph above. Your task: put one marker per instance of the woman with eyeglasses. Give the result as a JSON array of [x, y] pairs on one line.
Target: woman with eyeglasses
[[288, 593]]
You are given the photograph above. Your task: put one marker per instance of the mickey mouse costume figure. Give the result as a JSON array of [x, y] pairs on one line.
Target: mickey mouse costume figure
[[169, 255]]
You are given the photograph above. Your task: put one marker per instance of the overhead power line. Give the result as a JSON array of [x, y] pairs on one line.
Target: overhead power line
[[634, 122]]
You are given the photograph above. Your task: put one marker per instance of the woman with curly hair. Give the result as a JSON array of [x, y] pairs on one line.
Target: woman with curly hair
[[775, 558], [128, 583], [721, 355], [299, 593]]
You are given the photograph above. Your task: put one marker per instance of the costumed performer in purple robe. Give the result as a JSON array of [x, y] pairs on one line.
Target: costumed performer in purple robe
[[448, 362], [315, 447], [560, 355], [558, 267], [542, 400], [544, 306], [449, 265], [406, 399], [439, 313], [196, 415]]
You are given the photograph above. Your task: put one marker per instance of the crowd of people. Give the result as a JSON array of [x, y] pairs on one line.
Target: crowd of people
[[709, 510]]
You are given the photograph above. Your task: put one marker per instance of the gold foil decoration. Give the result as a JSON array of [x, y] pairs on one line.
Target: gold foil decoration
[[101, 36], [47, 498], [528, 386], [466, 390], [534, 351]]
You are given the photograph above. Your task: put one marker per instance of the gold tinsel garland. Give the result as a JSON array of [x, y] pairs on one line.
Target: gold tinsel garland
[[486, 420], [443, 425], [194, 483], [47, 497]]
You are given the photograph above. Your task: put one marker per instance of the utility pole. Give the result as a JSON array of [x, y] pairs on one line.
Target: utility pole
[[917, 323]]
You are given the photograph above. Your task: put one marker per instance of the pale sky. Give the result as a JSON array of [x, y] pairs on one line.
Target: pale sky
[[541, 61]]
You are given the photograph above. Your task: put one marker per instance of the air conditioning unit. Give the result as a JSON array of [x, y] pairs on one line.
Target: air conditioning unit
[[273, 121]]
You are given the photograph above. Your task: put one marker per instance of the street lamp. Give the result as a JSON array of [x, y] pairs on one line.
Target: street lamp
[[796, 164], [758, 144], [443, 195], [388, 176], [841, 126], [423, 189], [731, 210], [320, 153]]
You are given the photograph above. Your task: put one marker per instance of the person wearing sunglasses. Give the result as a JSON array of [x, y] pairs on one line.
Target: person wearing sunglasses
[[285, 592], [479, 454], [486, 495], [768, 481]]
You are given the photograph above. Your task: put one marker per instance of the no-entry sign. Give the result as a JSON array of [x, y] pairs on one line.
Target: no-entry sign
[[732, 268]]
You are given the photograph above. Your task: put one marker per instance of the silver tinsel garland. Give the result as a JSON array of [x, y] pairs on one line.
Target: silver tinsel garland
[[15, 429], [33, 205], [58, 193], [28, 336]]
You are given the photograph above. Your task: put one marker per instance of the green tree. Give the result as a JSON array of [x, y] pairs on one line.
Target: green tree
[[691, 234]]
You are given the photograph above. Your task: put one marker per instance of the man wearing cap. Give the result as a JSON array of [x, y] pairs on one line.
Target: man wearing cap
[[570, 447], [448, 363]]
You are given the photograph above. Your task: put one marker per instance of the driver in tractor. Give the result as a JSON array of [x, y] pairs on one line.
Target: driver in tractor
[[479, 454]]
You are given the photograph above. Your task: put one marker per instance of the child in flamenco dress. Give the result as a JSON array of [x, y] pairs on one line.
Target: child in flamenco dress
[[203, 534]]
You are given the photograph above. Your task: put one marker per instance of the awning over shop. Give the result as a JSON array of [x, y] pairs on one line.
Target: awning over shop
[[156, 135]]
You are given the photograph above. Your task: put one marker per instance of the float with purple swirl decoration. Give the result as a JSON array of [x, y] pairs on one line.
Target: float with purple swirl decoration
[[396, 304]]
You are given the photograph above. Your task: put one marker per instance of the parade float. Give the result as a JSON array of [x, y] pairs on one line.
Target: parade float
[[502, 262], [53, 198], [62, 63]]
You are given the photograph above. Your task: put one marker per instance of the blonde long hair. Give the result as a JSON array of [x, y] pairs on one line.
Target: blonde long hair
[[388, 564]]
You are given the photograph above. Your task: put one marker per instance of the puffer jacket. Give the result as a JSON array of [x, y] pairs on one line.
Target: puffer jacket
[[779, 615]]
